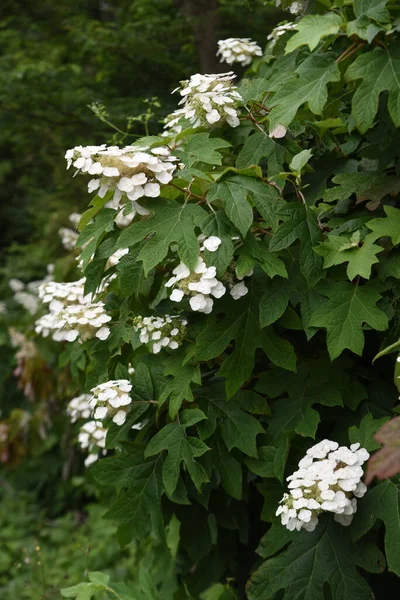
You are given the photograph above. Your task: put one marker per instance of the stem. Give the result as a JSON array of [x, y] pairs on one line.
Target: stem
[[187, 191], [347, 53]]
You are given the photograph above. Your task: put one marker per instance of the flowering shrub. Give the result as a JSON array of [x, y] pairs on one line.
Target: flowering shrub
[[265, 258]]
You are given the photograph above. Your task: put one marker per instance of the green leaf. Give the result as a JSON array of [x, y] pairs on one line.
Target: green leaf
[[181, 449], [99, 578], [238, 429], [258, 146], [92, 234], [313, 384], [300, 224], [271, 460], [199, 147], [380, 72], [253, 89], [300, 160], [275, 300], [311, 29], [131, 277], [229, 469], [241, 324], [337, 250], [366, 186], [309, 87], [218, 224], [374, 9], [237, 192], [389, 227], [269, 262], [364, 434], [172, 222], [325, 555], [138, 510], [178, 389], [382, 502], [344, 313], [82, 591]]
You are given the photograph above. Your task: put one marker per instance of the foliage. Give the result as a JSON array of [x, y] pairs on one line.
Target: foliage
[[309, 231]]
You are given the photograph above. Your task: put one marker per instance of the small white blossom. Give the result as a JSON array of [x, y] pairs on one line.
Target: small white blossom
[[92, 437], [279, 31], [209, 99], [111, 399], [211, 243], [199, 286], [328, 479], [78, 408], [168, 331], [130, 172], [68, 237], [238, 290], [238, 50], [16, 285]]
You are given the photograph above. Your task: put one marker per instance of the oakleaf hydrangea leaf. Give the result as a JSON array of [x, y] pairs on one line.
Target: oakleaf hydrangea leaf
[[366, 186], [343, 314], [325, 555], [389, 226], [382, 502], [311, 29], [241, 324], [380, 72], [181, 448], [201, 148], [300, 224], [309, 87], [172, 222], [337, 250]]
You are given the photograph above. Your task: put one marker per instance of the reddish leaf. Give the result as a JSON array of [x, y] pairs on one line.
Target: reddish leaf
[[385, 463]]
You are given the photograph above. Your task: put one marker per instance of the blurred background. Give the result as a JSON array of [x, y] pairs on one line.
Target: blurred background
[[73, 73]]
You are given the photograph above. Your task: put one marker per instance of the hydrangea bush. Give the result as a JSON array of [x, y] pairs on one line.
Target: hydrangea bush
[[247, 320]]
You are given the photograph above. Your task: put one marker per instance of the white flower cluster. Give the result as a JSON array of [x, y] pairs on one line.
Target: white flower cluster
[[72, 314], [278, 31], [92, 437], [328, 479], [78, 408], [161, 332], [27, 294], [208, 99], [199, 285], [129, 171], [111, 399], [85, 321], [238, 50], [171, 123], [69, 236], [238, 290], [59, 295]]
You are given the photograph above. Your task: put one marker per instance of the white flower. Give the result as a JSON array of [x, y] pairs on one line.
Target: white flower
[[130, 172], [68, 237], [176, 295], [157, 331], [211, 243], [116, 257], [205, 99], [203, 281], [16, 285], [278, 31], [92, 436], [110, 399], [239, 290], [238, 50], [322, 483]]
